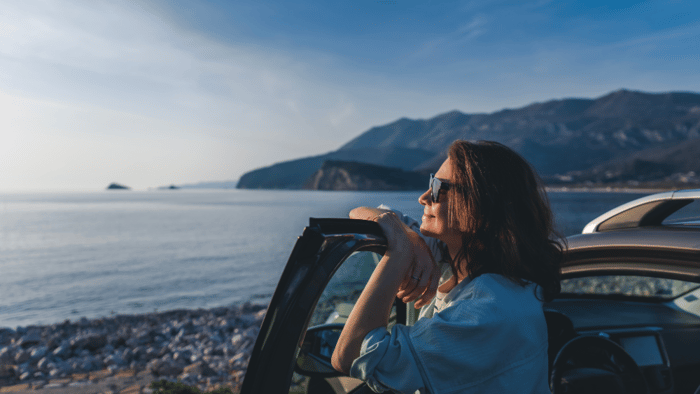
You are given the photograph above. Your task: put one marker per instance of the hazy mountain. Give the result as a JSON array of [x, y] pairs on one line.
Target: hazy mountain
[[558, 137]]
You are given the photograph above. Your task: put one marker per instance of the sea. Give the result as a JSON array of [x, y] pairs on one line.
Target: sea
[[95, 254]]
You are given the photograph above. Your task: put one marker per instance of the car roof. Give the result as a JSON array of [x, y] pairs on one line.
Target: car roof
[[646, 211], [633, 238], [639, 224]]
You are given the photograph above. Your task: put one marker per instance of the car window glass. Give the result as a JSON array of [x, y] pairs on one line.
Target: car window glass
[[334, 306], [344, 288], [688, 215], [627, 285]]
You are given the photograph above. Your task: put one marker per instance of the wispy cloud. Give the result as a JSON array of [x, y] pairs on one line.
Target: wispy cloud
[[463, 34]]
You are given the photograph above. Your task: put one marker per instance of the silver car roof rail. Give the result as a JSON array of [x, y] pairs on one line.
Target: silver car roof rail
[[646, 211]]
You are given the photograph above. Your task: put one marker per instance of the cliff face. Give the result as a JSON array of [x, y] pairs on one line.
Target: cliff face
[[342, 175]]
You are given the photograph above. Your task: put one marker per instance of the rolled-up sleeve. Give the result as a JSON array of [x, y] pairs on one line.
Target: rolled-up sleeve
[[388, 361]]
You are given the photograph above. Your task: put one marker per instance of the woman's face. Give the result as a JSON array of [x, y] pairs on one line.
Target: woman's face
[[434, 223]]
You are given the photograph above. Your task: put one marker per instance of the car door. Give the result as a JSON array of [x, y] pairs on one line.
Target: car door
[[311, 278]]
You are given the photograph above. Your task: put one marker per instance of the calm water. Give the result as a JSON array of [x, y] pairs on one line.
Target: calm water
[[64, 256]]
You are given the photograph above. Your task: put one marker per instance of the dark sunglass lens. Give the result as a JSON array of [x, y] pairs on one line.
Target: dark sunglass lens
[[434, 187]]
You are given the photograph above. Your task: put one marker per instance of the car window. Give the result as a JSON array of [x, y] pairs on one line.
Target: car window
[[627, 285], [688, 215], [344, 288], [334, 306]]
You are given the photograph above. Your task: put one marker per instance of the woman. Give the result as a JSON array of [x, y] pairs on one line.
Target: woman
[[487, 216]]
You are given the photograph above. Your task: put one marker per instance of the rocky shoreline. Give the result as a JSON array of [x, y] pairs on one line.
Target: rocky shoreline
[[204, 348]]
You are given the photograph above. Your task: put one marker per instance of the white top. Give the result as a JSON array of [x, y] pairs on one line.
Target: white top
[[487, 335]]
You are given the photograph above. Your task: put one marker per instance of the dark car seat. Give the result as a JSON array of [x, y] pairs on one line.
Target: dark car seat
[[560, 330]]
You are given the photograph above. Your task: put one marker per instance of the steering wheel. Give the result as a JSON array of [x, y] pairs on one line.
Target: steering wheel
[[594, 364]]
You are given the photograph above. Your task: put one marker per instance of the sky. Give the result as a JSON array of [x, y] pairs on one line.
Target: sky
[[153, 93]]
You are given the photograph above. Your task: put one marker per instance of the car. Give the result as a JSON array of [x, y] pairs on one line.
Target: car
[[627, 319]]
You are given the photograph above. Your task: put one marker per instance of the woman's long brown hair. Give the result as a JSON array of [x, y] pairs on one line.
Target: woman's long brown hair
[[499, 205]]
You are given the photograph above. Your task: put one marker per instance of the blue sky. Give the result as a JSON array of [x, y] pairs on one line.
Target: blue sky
[[154, 93]]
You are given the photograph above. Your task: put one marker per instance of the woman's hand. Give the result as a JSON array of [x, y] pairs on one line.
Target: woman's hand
[[413, 259]]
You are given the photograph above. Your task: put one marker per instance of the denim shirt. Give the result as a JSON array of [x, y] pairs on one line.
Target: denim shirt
[[489, 336]]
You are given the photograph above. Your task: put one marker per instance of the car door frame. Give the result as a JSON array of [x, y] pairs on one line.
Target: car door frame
[[322, 248]]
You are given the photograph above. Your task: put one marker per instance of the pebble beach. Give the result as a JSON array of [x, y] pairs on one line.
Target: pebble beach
[[207, 348]]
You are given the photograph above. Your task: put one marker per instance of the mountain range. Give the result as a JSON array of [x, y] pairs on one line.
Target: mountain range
[[624, 136]]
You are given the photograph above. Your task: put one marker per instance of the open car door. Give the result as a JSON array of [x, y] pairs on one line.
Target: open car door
[[327, 270]]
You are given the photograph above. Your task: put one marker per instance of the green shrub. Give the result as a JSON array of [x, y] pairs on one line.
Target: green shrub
[[166, 387]]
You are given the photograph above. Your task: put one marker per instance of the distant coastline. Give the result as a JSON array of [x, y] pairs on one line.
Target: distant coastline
[[646, 187], [600, 189]]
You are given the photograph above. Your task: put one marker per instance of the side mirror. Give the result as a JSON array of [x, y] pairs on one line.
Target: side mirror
[[314, 357]]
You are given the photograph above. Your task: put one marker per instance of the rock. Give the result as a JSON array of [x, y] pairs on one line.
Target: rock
[[30, 339], [45, 364], [23, 368], [114, 359], [22, 356], [188, 379], [199, 368], [127, 355], [38, 352], [7, 371], [237, 339], [63, 351], [166, 367], [6, 336], [90, 342], [239, 361], [184, 354], [6, 356]]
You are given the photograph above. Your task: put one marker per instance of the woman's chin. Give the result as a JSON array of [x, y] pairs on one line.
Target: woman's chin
[[426, 231]]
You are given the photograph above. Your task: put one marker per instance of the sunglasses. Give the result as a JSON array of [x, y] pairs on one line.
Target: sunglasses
[[437, 184]]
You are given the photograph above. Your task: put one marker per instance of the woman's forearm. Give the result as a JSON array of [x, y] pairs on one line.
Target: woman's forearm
[[401, 259], [373, 307], [371, 310]]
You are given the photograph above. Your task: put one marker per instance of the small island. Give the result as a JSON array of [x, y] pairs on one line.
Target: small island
[[116, 186]]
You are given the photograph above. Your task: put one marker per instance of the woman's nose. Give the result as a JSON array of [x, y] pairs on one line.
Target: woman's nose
[[424, 198]]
